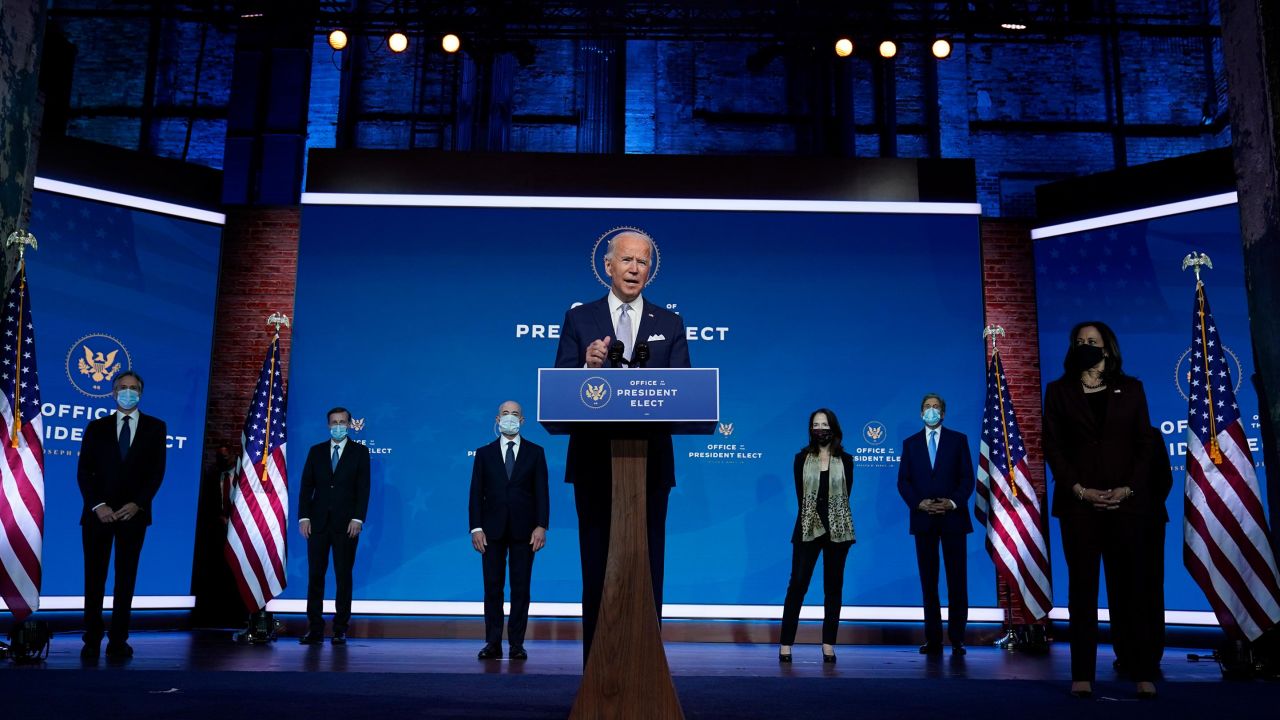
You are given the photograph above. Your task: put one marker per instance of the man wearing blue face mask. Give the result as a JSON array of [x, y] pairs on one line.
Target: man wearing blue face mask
[[508, 514], [333, 501], [935, 479], [122, 458]]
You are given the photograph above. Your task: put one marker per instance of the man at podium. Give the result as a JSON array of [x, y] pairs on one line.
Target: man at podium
[[585, 339]]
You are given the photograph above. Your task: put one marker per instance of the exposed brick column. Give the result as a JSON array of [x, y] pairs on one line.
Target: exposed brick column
[[258, 277], [1009, 300]]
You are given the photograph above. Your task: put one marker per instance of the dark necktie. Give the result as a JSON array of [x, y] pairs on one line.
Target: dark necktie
[[511, 457], [333, 463], [125, 436]]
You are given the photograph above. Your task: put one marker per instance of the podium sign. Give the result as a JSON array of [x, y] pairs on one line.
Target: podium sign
[[686, 399]]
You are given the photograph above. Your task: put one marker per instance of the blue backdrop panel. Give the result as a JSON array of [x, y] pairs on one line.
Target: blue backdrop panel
[[112, 279], [422, 320], [1129, 277]]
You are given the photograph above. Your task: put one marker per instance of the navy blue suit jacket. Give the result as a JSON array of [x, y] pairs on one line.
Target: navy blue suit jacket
[[951, 477], [589, 454], [509, 508], [106, 478]]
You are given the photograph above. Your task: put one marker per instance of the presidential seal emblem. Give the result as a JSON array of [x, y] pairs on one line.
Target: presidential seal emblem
[[602, 246], [595, 392], [874, 433], [94, 361]]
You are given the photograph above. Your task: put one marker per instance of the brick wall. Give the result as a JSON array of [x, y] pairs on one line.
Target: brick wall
[[258, 277], [1009, 300]]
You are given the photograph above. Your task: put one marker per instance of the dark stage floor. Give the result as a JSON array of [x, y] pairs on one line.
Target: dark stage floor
[[203, 675]]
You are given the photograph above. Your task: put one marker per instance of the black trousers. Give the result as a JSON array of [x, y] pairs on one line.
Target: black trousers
[[98, 538], [1150, 601], [333, 539], [594, 503], [954, 548], [1117, 541], [804, 558], [494, 562]]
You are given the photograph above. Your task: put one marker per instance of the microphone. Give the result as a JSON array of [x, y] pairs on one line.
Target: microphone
[[640, 355], [615, 354]]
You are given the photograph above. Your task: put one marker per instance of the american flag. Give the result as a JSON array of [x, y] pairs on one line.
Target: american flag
[[22, 473], [1007, 505], [1226, 548], [260, 493]]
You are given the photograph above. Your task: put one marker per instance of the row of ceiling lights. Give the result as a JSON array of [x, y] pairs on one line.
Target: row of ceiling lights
[[397, 41], [845, 47]]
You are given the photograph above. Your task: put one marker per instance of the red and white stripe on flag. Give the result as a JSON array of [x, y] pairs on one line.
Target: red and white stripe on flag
[[1227, 546], [1007, 505], [22, 472], [255, 545]]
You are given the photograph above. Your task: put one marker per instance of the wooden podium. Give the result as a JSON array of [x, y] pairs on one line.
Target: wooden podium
[[627, 675]]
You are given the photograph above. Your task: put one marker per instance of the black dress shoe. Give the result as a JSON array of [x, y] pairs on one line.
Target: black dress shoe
[[930, 649], [957, 650], [828, 659], [339, 638], [119, 650], [784, 657], [518, 653], [490, 652], [1082, 694], [311, 638], [90, 651]]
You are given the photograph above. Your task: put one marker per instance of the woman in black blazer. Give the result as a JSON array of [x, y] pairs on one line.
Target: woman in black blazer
[[1096, 440], [824, 526]]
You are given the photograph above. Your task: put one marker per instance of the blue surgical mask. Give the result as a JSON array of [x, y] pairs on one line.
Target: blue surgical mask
[[931, 416], [128, 398], [509, 425], [337, 432]]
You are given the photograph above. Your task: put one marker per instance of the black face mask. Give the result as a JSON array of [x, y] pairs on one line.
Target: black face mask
[[1083, 357], [821, 437]]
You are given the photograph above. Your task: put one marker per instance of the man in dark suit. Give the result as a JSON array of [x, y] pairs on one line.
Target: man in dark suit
[[936, 478], [122, 458], [332, 505], [509, 513], [585, 337]]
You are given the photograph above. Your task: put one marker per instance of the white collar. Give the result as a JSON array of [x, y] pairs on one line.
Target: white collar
[[615, 302]]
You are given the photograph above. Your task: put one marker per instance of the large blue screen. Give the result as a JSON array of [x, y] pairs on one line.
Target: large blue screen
[[422, 320], [1129, 276], [114, 288]]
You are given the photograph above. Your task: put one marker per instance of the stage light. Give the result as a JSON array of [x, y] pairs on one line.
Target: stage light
[[337, 39], [844, 47], [397, 42], [888, 49], [941, 48], [450, 43], [1013, 26]]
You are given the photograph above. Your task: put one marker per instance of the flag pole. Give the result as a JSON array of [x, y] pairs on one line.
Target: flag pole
[[22, 239], [1010, 640], [1195, 261]]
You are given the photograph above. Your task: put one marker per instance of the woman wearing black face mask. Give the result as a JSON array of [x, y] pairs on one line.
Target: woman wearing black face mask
[[1096, 429], [824, 481]]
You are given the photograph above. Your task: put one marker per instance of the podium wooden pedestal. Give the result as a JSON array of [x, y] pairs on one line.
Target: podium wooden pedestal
[[626, 675]]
